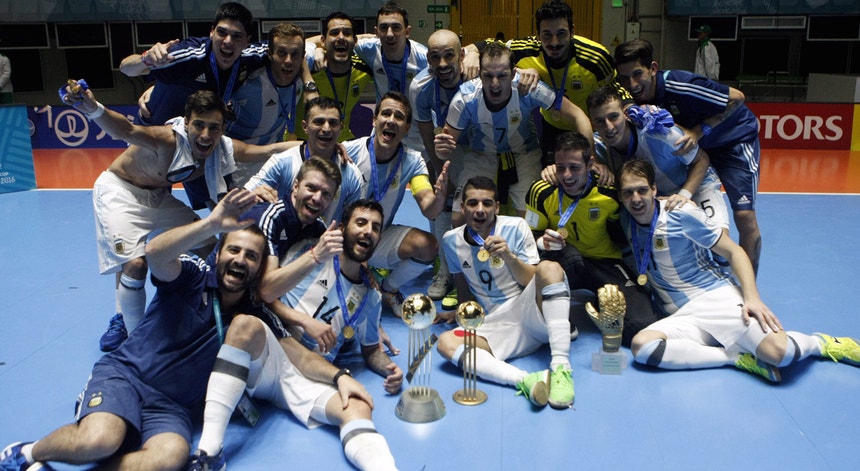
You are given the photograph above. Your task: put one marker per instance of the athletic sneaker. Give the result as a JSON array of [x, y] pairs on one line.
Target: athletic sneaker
[[535, 386], [200, 461], [115, 335], [561, 388], [394, 300], [844, 349], [574, 333], [449, 303], [11, 459], [439, 286], [750, 363]]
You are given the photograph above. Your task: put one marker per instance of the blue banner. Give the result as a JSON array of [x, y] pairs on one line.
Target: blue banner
[[16, 154], [64, 127]]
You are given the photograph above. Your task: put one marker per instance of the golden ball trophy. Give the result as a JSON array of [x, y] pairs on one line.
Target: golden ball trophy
[[470, 316], [610, 359], [420, 403]]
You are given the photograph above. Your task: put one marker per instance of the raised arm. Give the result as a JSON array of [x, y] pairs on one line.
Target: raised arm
[[136, 65]]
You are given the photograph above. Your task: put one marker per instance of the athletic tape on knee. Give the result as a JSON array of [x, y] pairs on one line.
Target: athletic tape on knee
[[355, 427], [232, 361], [131, 283], [555, 290], [651, 353]]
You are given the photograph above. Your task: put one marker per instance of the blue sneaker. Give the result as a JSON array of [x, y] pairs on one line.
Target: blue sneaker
[[11, 459], [200, 461], [115, 335]]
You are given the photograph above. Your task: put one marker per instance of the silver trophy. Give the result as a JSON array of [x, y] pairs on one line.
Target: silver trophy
[[420, 403], [470, 316], [610, 359]]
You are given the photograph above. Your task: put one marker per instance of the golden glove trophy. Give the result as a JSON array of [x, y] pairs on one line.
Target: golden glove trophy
[[470, 316], [420, 403], [610, 359]]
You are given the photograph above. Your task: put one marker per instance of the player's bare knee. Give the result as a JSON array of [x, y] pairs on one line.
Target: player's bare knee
[[647, 347], [101, 438], [548, 272], [772, 348], [166, 451], [135, 268], [448, 343], [245, 330]]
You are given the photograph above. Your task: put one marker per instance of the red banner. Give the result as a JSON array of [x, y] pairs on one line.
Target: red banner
[[818, 126]]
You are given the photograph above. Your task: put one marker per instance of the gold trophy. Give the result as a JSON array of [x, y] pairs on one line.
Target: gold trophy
[[610, 320], [420, 403], [470, 316]]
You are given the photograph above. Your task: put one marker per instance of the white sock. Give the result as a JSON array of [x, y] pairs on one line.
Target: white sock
[[226, 384], [27, 451], [491, 368], [800, 346], [684, 354], [364, 447], [405, 271], [556, 311], [131, 297]]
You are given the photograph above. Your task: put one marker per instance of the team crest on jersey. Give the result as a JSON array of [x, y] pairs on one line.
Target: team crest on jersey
[[394, 182], [96, 400], [660, 242], [118, 246], [593, 214], [355, 90]]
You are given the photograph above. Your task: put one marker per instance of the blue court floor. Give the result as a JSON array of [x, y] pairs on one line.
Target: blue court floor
[[54, 306]]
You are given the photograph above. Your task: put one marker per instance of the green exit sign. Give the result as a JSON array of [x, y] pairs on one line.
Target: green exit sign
[[438, 9]]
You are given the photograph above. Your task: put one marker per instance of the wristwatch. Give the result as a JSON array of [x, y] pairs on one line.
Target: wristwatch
[[341, 372], [311, 87]]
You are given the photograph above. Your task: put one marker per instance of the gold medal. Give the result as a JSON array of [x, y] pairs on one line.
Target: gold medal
[[290, 136], [562, 232], [483, 255], [437, 130], [496, 261], [348, 332], [642, 279]]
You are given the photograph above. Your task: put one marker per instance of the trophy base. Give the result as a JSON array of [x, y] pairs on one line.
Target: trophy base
[[420, 405], [609, 363], [470, 398]]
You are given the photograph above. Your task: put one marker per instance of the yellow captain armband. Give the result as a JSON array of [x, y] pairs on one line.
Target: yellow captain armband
[[420, 183]]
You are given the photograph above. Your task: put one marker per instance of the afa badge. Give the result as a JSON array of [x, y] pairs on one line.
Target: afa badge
[[95, 401], [593, 214], [660, 242]]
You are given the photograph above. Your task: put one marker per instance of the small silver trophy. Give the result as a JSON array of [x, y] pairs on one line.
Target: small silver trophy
[[470, 316], [420, 403], [609, 360]]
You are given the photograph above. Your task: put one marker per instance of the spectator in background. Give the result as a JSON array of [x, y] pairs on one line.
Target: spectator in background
[[5, 79], [707, 58]]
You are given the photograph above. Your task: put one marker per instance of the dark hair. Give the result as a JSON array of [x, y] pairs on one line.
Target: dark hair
[[601, 96], [554, 9], [573, 141], [363, 203], [392, 8], [636, 167], [236, 12], [481, 182], [636, 50], [316, 163], [398, 97], [322, 102], [264, 255], [337, 15], [204, 101], [284, 30], [496, 49]]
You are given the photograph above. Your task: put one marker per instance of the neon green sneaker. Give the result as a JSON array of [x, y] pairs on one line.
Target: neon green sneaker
[[750, 363], [844, 349], [535, 386], [449, 302], [561, 388]]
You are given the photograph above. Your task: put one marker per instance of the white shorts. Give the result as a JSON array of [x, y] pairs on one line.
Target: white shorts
[[487, 165], [127, 215], [710, 199], [517, 327], [385, 254], [279, 382], [713, 316]]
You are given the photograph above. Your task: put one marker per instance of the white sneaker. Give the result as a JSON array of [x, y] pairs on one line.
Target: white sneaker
[[440, 286]]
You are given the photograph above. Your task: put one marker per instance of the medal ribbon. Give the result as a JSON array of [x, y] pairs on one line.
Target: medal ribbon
[[559, 89], [402, 85], [291, 116], [342, 105], [234, 73], [219, 324], [563, 218], [440, 117], [377, 192], [477, 237], [643, 255], [349, 320]]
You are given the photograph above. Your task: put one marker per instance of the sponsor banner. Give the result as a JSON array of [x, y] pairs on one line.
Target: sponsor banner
[[822, 126], [64, 127], [16, 155]]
